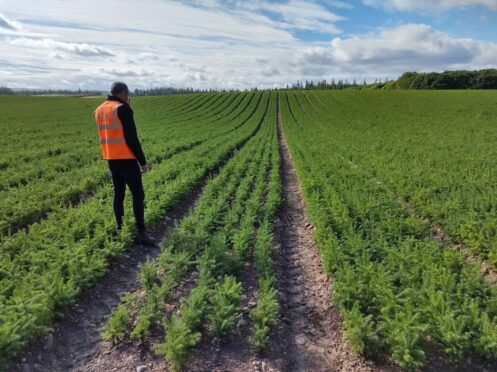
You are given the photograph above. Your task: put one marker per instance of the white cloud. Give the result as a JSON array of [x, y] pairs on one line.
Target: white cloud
[[152, 17], [81, 49], [405, 48], [271, 72], [151, 57], [173, 42], [214, 43], [429, 5], [340, 4], [125, 73], [9, 24], [298, 14]]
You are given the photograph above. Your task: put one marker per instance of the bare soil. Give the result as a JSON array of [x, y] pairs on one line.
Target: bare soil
[[309, 337]]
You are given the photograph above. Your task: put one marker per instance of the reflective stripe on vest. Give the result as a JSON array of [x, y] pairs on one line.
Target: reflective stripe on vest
[[112, 140], [110, 126], [111, 134]]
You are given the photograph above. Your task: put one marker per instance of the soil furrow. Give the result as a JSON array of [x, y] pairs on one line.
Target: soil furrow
[[309, 337]]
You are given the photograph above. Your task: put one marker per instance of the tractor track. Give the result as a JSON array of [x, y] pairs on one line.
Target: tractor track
[[309, 336]]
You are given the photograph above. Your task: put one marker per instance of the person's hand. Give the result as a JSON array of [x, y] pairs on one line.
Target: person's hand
[[145, 168]]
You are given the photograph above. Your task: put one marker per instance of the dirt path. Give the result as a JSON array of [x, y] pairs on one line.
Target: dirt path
[[310, 334]]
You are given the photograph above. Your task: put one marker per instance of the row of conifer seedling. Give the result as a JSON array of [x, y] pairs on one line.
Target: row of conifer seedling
[[229, 229]]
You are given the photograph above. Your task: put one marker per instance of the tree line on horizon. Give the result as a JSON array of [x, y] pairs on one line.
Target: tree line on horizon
[[447, 80], [158, 91], [165, 91], [41, 92], [482, 79], [461, 79]]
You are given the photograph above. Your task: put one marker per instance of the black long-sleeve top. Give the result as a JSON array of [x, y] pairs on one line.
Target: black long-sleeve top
[[125, 114]]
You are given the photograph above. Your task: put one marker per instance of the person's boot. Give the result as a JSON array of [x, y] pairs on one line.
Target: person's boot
[[145, 239], [119, 224]]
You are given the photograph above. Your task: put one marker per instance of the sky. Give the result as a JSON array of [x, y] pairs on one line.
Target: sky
[[232, 44]]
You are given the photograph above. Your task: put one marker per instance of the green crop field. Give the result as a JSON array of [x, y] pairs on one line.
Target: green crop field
[[400, 187], [396, 287]]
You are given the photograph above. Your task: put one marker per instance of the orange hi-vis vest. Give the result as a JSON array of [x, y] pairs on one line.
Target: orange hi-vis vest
[[111, 133]]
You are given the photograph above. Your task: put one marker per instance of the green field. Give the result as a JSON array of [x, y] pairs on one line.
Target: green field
[[356, 154], [379, 170]]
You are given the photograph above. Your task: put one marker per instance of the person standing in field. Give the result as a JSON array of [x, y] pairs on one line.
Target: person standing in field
[[121, 148]]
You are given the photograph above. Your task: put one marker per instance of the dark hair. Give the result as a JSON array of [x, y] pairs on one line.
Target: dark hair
[[118, 87]]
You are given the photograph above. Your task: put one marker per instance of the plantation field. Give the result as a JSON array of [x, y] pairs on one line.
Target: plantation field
[[68, 245], [384, 175], [396, 287]]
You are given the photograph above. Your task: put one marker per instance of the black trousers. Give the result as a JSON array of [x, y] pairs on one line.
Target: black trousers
[[127, 172]]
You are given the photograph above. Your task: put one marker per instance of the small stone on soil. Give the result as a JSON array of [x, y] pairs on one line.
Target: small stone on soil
[[49, 343], [141, 368], [300, 340]]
